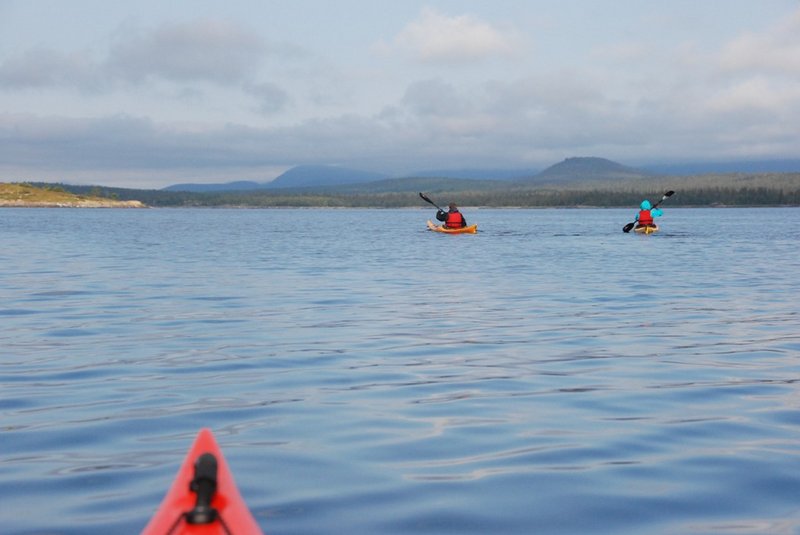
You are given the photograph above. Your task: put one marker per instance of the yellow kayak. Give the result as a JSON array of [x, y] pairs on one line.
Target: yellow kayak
[[472, 229], [646, 229]]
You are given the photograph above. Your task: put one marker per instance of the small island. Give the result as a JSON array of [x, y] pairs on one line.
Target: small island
[[28, 196]]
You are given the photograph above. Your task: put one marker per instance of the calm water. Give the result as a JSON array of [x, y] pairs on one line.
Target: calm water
[[366, 376]]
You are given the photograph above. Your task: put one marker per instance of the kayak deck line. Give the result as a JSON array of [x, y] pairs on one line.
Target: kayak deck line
[[203, 498]]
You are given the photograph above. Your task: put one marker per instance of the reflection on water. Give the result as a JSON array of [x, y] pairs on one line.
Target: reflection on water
[[548, 374]]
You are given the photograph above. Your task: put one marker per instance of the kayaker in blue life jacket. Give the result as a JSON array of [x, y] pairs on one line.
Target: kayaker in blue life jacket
[[452, 218], [646, 214]]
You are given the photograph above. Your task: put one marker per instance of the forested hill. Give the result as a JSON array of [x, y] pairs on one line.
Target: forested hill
[[571, 170], [302, 176], [738, 189], [323, 175], [583, 171], [587, 169]]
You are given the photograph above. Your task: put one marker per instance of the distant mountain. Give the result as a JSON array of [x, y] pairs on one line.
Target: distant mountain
[[241, 185], [581, 169], [570, 171], [323, 175], [302, 176]]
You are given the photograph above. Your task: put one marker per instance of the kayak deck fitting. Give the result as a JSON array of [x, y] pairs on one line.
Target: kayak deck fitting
[[203, 499]]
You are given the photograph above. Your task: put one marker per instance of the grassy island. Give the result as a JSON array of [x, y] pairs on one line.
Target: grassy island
[[26, 195]]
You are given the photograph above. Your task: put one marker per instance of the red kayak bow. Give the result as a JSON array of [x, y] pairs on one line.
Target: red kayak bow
[[203, 499]]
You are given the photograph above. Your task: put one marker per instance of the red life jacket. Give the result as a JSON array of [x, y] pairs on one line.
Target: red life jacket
[[645, 218], [454, 220]]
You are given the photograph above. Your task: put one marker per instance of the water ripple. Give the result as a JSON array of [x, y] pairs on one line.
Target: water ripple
[[550, 385]]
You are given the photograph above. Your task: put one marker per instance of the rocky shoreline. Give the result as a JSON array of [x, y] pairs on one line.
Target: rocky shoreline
[[24, 195], [81, 203]]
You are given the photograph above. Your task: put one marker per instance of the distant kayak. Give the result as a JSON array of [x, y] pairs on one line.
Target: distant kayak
[[203, 499], [472, 229], [646, 229]]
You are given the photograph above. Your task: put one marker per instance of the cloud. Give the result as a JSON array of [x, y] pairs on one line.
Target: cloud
[[69, 143], [271, 98], [623, 52], [213, 51], [124, 142], [433, 98], [634, 102], [774, 51], [437, 38], [757, 95], [41, 67]]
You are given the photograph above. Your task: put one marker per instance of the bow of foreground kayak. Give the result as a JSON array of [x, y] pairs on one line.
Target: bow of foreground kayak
[[472, 229], [203, 499]]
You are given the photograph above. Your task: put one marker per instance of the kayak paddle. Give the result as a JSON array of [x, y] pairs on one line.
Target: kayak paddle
[[426, 199], [629, 226]]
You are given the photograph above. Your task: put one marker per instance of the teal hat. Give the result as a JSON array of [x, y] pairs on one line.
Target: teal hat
[[645, 205]]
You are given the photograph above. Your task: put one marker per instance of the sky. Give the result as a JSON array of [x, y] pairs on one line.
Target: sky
[[151, 93]]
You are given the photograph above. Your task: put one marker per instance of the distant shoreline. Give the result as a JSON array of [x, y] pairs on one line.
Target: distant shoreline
[[23, 195], [5, 203], [127, 205]]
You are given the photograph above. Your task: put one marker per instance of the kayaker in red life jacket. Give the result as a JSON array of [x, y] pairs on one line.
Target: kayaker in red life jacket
[[647, 214], [452, 218]]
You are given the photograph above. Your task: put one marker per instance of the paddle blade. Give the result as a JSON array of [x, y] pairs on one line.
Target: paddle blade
[[670, 193], [426, 199], [628, 227]]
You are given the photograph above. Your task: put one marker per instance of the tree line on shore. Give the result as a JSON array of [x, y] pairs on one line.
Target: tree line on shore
[[778, 189]]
